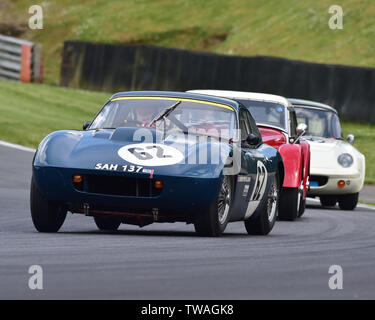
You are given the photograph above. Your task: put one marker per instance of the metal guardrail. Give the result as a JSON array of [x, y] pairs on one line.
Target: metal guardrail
[[20, 60]]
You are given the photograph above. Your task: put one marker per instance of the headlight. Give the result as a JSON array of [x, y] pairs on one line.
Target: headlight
[[345, 160]]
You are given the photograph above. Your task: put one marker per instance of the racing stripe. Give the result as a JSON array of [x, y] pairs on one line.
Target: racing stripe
[[175, 99]]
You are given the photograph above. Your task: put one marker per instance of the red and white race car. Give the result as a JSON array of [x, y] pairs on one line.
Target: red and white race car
[[277, 122]]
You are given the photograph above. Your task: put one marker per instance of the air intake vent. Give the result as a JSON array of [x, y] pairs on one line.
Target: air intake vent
[[118, 186]]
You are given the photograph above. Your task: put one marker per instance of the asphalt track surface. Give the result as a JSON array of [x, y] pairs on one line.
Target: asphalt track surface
[[167, 261]]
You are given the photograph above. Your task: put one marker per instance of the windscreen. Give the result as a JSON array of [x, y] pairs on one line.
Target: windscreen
[[186, 115], [320, 123], [266, 112]]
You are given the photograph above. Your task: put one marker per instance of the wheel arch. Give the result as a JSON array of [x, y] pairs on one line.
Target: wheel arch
[[281, 173], [305, 146]]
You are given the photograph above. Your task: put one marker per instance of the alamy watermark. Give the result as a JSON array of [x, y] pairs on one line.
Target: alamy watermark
[[336, 20], [193, 147], [336, 281], [36, 279], [36, 19]]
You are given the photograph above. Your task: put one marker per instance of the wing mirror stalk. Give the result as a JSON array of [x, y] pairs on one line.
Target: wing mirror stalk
[[301, 130], [86, 125]]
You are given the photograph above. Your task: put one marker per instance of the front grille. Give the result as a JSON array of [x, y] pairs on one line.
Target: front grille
[[118, 186], [319, 180]]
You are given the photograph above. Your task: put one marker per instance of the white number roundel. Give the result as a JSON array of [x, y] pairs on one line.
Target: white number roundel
[[150, 154]]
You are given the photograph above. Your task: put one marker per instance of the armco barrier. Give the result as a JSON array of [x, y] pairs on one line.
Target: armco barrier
[[20, 60], [108, 67]]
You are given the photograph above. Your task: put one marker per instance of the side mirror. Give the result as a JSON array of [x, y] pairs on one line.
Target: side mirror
[[301, 129], [86, 125], [252, 139], [350, 138]]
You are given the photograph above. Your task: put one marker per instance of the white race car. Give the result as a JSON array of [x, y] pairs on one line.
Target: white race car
[[337, 169]]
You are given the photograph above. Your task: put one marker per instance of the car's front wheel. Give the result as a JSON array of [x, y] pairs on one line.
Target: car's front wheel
[[107, 223], [302, 207], [46, 216], [302, 201], [328, 201], [214, 222], [265, 220], [348, 201]]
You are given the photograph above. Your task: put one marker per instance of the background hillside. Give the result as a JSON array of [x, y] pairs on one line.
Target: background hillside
[[286, 28]]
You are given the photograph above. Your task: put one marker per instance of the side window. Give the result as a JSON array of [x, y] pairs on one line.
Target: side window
[[293, 123], [244, 125], [336, 127], [253, 126]]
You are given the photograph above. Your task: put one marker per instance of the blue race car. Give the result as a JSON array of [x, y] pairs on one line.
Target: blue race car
[[159, 157]]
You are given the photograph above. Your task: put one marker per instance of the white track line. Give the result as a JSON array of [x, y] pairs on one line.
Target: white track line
[[359, 205], [16, 146], [366, 206]]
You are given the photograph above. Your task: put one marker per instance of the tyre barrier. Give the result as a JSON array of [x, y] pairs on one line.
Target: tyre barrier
[[122, 67], [20, 60]]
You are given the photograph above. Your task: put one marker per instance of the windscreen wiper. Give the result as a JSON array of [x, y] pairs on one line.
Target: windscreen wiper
[[164, 113]]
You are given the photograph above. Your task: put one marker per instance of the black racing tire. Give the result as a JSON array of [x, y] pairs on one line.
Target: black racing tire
[[46, 215], [265, 220], [107, 223], [288, 209], [328, 201], [348, 201], [302, 208], [214, 222]]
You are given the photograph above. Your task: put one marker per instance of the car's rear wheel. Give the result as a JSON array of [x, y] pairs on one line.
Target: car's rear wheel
[[289, 204], [348, 201], [328, 201], [46, 215], [107, 223], [264, 222], [214, 222]]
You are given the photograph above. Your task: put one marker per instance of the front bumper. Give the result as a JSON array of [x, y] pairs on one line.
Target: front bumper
[[180, 197], [353, 184]]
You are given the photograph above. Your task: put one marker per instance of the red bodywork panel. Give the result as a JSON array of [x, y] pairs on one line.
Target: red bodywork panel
[[306, 165], [273, 137], [293, 161], [296, 157]]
